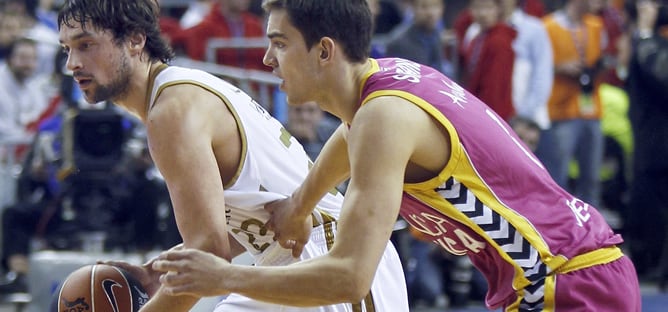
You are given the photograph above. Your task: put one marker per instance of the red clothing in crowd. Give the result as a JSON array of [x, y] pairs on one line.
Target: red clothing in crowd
[[464, 19], [170, 28], [216, 25], [533, 7], [488, 68]]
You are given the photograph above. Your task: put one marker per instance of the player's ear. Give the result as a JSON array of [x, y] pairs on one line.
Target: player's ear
[[137, 42], [326, 48]]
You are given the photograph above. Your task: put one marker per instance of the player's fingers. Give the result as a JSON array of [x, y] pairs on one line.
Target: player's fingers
[[298, 249], [149, 262], [162, 265], [287, 243], [177, 247], [175, 254], [172, 279]]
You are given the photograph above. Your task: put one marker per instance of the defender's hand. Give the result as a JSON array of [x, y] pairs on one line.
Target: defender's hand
[[191, 272], [291, 230]]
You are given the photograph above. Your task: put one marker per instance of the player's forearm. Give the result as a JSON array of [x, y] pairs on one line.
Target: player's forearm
[[330, 169], [317, 282]]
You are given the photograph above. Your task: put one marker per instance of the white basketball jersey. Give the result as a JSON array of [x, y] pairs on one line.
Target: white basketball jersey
[[273, 163]]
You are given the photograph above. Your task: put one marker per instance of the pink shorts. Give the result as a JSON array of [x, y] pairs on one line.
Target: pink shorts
[[611, 287]]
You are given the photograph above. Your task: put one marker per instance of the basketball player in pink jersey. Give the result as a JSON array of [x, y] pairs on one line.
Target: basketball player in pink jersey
[[417, 144]]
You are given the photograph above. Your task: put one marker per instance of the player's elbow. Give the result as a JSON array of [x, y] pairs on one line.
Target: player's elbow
[[359, 285], [358, 293]]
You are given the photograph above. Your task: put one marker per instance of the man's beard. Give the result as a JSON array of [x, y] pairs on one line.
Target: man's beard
[[118, 87]]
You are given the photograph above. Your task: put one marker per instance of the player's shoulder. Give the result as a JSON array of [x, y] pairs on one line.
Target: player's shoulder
[[185, 107], [390, 112]]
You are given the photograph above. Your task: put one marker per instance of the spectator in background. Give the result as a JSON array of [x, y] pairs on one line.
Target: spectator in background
[[195, 13], [421, 41], [533, 74], [614, 23], [647, 87], [578, 39], [226, 19], [11, 28], [21, 95], [464, 19], [45, 37], [309, 125], [488, 57]]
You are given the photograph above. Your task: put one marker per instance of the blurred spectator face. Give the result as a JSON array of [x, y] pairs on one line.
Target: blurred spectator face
[[508, 6], [427, 13], [303, 120], [486, 13], [582, 6], [23, 61], [11, 28], [596, 6]]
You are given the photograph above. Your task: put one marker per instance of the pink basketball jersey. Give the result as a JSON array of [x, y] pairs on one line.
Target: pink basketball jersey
[[494, 201]]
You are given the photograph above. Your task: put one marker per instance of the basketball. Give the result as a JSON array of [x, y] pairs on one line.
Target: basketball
[[99, 288]]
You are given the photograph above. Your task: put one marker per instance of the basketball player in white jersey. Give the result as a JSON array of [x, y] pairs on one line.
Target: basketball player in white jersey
[[222, 155]]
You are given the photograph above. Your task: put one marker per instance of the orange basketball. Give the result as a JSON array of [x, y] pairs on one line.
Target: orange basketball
[[99, 288]]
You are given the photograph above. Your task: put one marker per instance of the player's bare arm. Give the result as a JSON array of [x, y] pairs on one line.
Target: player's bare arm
[[290, 219], [181, 139], [383, 141]]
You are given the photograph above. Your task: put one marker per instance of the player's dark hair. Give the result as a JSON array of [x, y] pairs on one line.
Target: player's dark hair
[[122, 18], [349, 22]]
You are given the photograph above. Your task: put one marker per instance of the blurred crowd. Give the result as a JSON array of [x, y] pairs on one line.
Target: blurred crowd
[[584, 84]]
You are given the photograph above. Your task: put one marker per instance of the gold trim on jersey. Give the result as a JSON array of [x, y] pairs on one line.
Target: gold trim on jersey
[[151, 81], [374, 69], [599, 256], [242, 132]]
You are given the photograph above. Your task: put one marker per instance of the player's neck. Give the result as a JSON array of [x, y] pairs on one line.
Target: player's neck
[[137, 98], [343, 100]]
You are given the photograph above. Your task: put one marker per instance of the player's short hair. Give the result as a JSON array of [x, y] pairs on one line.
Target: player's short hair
[[122, 18], [349, 22]]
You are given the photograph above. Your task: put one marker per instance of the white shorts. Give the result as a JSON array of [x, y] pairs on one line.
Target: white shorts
[[388, 289]]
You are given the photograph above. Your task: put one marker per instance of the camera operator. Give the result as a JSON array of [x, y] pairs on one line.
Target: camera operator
[[647, 86]]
